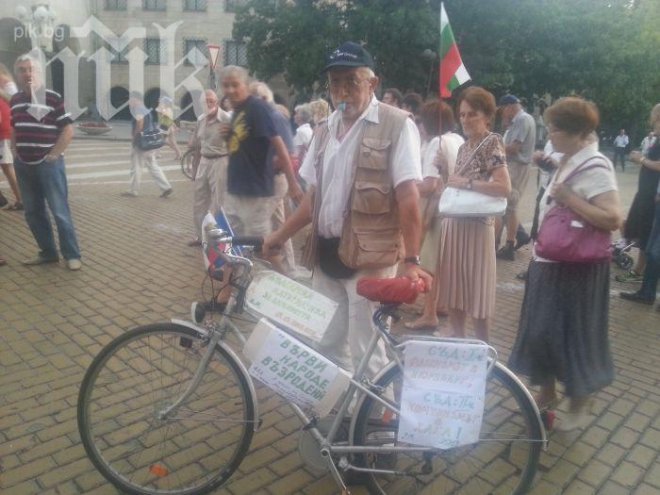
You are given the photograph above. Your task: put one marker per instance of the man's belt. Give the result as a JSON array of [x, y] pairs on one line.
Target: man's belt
[[211, 157]]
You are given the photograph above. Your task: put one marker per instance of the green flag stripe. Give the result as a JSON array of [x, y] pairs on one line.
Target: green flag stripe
[[446, 40]]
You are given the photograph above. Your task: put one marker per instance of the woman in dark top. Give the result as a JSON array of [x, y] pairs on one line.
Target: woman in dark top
[[640, 217], [650, 163]]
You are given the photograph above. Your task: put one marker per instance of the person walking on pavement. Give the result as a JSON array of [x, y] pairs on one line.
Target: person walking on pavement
[[211, 177], [251, 199], [141, 119], [620, 145], [519, 142], [286, 263], [357, 198], [42, 131]]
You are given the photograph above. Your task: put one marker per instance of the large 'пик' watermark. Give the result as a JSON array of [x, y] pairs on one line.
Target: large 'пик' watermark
[[113, 46]]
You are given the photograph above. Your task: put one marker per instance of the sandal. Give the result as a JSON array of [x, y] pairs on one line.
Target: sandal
[[420, 326], [547, 405]]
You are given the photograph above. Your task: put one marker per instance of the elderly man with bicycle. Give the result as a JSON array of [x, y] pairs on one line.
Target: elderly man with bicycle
[[362, 167]]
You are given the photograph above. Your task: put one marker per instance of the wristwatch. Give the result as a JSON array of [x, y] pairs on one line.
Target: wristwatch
[[413, 260]]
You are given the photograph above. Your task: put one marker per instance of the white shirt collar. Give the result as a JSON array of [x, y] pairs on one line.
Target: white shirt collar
[[370, 114]]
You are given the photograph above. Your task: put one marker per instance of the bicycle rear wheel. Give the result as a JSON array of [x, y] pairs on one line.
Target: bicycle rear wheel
[[136, 445], [504, 460]]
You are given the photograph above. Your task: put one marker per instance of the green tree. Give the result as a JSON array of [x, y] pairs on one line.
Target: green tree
[[605, 51]]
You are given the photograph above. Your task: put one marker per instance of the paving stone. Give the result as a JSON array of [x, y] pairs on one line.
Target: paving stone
[[55, 321]]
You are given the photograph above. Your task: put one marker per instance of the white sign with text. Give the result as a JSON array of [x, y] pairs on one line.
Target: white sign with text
[[444, 386], [290, 304], [294, 370]]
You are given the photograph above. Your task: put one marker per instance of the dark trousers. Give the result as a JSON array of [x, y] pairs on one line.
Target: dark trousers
[[620, 154]]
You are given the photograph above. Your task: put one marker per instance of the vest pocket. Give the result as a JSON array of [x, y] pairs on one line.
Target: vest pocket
[[371, 197], [374, 153], [369, 248]]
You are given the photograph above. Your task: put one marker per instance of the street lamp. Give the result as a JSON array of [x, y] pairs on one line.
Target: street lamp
[[40, 23], [214, 54], [430, 56]]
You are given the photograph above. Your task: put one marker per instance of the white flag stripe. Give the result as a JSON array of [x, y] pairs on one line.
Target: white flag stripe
[[462, 75]]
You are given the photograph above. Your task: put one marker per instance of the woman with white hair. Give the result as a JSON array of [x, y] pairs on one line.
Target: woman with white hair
[[302, 116]]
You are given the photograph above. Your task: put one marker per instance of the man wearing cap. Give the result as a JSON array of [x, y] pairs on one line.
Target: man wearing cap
[[361, 166], [519, 141]]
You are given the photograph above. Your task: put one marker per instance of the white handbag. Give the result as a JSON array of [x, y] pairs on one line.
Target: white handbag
[[465, 203], [456, 202]]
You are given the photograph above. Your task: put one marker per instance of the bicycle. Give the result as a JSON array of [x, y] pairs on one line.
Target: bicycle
[[189, 163], [170, 408]]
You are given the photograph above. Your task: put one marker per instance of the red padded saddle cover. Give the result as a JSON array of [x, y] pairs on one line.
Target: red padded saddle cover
[[391, 290]]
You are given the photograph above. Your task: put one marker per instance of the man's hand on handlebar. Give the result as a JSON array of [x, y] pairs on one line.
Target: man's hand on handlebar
[[272, 245]]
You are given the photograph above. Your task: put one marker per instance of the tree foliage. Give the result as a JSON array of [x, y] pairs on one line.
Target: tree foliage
[[604, 50]]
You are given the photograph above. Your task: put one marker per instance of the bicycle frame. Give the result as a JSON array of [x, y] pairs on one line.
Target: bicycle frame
[[327, 448]]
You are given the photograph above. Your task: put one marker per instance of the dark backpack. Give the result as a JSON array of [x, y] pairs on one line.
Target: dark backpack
[[151, 137]]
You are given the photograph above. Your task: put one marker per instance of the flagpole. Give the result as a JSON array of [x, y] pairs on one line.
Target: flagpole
[[439, 86]]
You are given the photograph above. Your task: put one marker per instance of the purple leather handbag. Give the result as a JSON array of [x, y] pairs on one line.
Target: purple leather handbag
[[566, 237]]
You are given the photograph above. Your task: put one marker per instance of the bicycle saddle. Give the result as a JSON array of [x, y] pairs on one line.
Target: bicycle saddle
[[391, 290]]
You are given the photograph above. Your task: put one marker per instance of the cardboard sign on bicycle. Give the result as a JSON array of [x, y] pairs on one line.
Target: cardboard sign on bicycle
[[294, 370], [444, 386], [290, 304]]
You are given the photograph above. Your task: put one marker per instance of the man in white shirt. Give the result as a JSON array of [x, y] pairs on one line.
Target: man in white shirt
[[361, 169], [620, 145]]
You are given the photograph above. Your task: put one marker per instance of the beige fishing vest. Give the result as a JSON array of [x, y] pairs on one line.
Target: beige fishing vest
[[371, 234]]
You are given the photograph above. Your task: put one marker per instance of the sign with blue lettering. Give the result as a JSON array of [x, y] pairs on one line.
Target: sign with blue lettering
[[444, 385], [290, 304], [293, 369]]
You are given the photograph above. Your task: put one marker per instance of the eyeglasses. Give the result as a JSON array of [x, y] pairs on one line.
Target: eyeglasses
[[350, 84]]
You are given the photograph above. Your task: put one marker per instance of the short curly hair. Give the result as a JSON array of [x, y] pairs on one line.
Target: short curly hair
[[573, 115], [479, 99]]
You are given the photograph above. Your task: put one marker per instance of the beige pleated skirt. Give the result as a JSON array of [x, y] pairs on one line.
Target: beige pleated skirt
[[466, 266]]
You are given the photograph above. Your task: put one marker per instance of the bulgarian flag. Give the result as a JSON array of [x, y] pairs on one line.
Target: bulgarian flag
[[452, 70]]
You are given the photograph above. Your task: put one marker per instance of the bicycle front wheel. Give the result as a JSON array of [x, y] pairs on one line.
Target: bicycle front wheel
[[503, 461], [137, 440]]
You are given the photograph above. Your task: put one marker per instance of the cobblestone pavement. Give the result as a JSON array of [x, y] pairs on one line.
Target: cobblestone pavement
[[137, 270]]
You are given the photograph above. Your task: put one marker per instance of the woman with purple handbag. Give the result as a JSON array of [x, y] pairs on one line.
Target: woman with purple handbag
[[563, 329]]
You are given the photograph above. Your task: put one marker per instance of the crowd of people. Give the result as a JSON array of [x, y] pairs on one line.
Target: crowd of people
[[368, 177]]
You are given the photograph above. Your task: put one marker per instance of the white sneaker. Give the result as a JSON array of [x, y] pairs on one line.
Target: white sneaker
[[74, 264]]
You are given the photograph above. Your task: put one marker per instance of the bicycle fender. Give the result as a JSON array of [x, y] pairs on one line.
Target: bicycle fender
[[239, 363]]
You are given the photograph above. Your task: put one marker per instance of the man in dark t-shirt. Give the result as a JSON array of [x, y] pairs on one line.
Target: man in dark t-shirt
[[250, 200]]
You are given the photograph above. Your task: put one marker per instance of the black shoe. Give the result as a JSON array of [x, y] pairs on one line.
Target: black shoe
[[637, 297], [3, 201], [522, 238], [166, 193], [507, 252], [199, 309]]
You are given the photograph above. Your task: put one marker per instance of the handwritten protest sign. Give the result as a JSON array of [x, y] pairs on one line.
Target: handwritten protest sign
[[444, 386], [291, 304], [294, 370]]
